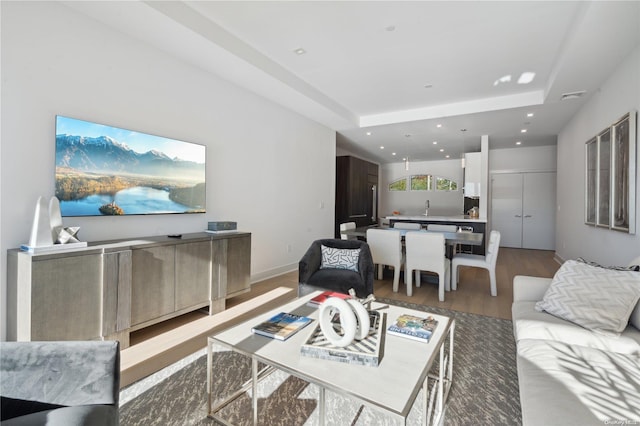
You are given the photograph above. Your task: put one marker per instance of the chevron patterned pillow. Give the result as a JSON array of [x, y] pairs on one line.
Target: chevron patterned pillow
[[595, 298], [333, 258]]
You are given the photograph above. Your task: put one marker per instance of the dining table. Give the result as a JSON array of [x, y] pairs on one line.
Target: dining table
[[451, 238]]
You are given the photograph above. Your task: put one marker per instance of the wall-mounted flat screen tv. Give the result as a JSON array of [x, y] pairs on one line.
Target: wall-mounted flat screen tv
[[105, 170]]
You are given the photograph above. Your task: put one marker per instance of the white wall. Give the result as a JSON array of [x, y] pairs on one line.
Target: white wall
[[617, 96], [523, 159], [443, 203], [268, 168]]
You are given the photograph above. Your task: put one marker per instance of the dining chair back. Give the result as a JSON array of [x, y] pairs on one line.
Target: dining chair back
[[345, 227], [407, 225], [487, 262], [386, 249], [426, 252]]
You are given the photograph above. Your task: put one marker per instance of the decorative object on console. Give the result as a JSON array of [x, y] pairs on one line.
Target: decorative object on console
[[47, 232], [222, 226], [41, 228]]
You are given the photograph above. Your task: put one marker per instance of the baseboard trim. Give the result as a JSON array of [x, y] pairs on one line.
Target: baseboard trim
[[558, 259], [272, 273]]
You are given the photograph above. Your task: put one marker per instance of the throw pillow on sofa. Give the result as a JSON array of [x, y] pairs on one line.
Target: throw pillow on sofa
[[333, 258], [595, 298]]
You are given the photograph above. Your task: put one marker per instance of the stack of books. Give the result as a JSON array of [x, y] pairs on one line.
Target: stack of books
[[281, 326], [413, 327]]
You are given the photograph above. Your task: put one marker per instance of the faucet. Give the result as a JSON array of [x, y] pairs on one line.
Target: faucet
[[426, 208]]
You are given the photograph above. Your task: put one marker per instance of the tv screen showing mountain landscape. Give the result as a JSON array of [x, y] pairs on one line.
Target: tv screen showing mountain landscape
[[104, 170]]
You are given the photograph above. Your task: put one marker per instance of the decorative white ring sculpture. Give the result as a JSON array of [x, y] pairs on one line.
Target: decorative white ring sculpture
[[363, 319], [347, 321]]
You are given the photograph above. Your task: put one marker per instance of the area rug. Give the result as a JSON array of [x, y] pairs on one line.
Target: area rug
[[484, 390]]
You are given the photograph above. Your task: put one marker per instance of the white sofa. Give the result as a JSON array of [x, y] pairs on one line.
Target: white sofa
[[569, 375]]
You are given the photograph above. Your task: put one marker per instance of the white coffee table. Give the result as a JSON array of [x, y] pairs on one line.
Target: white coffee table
[[391, 387]]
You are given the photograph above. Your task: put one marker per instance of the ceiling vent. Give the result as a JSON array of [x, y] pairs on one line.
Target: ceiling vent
[[572, 95]]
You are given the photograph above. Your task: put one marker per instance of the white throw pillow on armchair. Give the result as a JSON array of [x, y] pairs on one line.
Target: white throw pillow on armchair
[[595, 298]]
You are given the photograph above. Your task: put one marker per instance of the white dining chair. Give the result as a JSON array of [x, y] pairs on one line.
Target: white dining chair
[[487, 262], [437, 227], [345, 227], [386, 249], [407, 225], [426, 252]]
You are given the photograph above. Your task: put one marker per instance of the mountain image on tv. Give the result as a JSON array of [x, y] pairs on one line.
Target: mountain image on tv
[[104, 170]]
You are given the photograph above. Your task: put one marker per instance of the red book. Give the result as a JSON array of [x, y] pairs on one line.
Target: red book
[[319, 299]]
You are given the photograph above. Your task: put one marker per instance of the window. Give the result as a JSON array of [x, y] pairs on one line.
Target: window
[[398, 185], [444, 184], [421, 183]]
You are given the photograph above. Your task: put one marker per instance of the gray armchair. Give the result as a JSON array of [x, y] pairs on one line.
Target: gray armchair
[[60, 383], [310, 275]]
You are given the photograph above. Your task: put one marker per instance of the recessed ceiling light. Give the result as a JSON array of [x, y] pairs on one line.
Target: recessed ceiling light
[[503, 79], [446, 156], [435, 142], [382, 147], [530, 114], [526, 77], [441, 149], [393, 153], [519, 143], [299, 51], [368, 133], [404, 159], [523, 131], [438, 125]]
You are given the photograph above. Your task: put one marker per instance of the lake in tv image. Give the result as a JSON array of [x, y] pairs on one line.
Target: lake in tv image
[[105, 170]]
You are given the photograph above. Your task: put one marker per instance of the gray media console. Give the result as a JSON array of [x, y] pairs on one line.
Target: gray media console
[[111, 288]]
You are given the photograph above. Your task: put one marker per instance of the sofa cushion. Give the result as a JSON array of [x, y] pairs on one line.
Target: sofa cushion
[[336, 258], [531, 324], [576, 385], [596, 298]]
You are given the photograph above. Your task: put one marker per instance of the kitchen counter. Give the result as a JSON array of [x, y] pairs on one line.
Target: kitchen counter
[[423, 218]]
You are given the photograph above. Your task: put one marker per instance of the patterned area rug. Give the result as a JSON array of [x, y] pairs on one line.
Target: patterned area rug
[[484, 390]]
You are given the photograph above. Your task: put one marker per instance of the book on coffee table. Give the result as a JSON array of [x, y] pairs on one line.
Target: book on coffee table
[[281, 326], [413, 327], [319, 299]]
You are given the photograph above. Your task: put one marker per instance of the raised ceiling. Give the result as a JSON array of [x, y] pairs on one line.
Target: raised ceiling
[[397, 70]]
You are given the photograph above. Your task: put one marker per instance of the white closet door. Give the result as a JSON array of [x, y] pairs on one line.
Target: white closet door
[[539, 211], [506, 208]]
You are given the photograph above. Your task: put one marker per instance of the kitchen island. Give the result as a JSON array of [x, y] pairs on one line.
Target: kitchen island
[[478, 225]]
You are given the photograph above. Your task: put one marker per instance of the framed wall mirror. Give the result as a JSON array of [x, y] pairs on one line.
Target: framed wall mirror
[[610, 176]]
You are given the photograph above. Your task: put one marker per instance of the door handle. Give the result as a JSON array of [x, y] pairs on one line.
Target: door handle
[[518, 215], [527, 215]]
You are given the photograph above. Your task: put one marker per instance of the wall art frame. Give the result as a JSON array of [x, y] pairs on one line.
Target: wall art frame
[[610, 176]]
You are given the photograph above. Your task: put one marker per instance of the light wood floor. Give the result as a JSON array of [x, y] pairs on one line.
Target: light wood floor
[[157, 346], [473, 293]]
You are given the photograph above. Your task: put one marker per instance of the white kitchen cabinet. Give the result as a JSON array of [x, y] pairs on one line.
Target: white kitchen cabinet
[[472, 174]]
